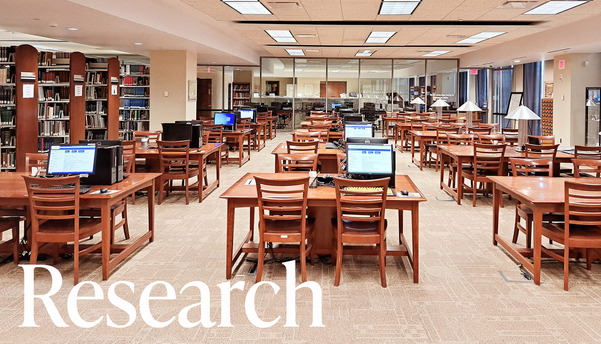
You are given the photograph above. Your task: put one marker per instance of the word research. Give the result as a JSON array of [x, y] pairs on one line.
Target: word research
[[169, 293]]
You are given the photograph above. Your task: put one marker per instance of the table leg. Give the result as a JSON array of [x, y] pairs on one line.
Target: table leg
[[218, 164], [105, 215], [402, 139], [422, 152], [412, 148], [459, 182], [150, 192], [252, 223], [537, 226], [400, 226], [415, 240], [248, 141], [385, 129], [496, 194], [230, 240], [241, 150], [442, 161]]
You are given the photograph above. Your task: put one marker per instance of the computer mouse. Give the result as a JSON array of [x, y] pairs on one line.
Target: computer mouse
[[104, 190], [404, 192]]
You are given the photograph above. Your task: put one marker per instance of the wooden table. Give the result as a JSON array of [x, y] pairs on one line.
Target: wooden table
[[400, 128], [462, 154], [541, 195], [322, 207], [333, 136], [326, 157], [261, 129], [210, 150], [386, 121], [239, 136], [14, 194], [270, 121]]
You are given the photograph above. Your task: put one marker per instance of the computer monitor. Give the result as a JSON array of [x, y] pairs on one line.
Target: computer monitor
[[355, 117], [248, 114], [335, 105], [370, 161], [99, 142], [71, 159], [262, 109], [171, 132], [364, 140], [358, 129], [533, 140], [224, 118]]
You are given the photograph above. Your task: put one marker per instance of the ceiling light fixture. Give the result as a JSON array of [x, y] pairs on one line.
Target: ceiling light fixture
[[281, 36], [379, 37], [482, 36], [138, 43], [437, 53], [364, 53], [391, 7], [312, 50], [247, 6], [517, 61], [295, 52], [306, 35], [72, 29], [555, 7]]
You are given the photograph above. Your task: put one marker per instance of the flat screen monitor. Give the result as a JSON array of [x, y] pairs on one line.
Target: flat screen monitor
[[247, 114], [355, 117], [335, 105], [71, 159], [369, 159], [533, 140], [358, 129], [177, 132], [378, 140], [262, 109], [224, 118], [105, 143]]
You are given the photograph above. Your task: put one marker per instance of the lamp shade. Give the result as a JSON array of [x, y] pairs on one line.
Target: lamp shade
[[439, 103], [590, 102], [522, 112], [469, 106], [417, 100]]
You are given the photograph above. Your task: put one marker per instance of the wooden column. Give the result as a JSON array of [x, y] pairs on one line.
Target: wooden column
[[77, 116], [26, 60], [112, 110]]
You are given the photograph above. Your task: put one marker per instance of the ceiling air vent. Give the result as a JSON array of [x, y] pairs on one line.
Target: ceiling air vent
[[518, 4]]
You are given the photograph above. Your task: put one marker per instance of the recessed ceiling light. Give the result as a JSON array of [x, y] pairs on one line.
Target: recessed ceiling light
[[295, 52], [138, 43], [555, 7], [364, 53], [517, 61], [390, 7], [379, 36], [335, 71], [306, 35], [281, 36], [437, 53], [482, 36], [247, 6], [312, 50], [72, 29]]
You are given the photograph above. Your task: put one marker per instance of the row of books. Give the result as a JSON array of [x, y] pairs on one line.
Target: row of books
[[7, 96], [94, 107], [96, 93], [53, 77], [96, 135], [133, 92], [52, 111], [8, 159], [7, 76], [95, 121], [7, 116], [242, 88], [52, 128], [135, 81], [56, 94], [7, 137], [241, 95], [44, 143], [48, 58], [136, 69], [96, 78], [134, 114], [7, 54], [129, 126], [134, 103]]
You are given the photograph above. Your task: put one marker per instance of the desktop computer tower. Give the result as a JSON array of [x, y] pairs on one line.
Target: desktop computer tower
[[108, 167]]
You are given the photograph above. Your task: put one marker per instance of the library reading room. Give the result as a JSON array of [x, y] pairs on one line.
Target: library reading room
[[300, 171]]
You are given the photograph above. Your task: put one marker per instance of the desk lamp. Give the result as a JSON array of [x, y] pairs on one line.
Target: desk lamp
[[523, 115], [439, 104], [468, 107], [419, 102]]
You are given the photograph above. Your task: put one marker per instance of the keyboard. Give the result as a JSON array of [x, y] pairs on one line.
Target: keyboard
[[83, 189], [369, 189]]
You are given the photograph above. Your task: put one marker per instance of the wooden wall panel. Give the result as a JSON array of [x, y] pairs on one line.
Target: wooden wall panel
[[77, 125], [26, 59], [113, 100]]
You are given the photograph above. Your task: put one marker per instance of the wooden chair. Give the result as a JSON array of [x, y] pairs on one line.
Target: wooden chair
[[441, 139], [205, 136], [11, 224], [479, 131], [491, 138], [360, 208], [254, 137], [488, 161], [493, 126], [581, 227], [544, 140], [283, 218], [216, 136], [174, 160], [457, 139], [54, 209], [584, 167], [153, 137], [297, 162], [308, 136], [528, 167], [323, 129], [415, 125], [294, 147], [35, 164], [540, 151], [341, 162], [587, 152]]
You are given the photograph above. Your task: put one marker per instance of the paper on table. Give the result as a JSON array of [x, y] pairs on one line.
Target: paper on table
[[108, 192], [250, 182], [411, 194]]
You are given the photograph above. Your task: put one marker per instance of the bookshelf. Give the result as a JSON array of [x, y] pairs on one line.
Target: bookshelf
[[53, 99], [239, 94], [7, 109], [134, 105], [26, 111], [96, 99]]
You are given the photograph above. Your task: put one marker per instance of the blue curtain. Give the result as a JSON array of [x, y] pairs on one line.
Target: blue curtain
[[532, 93], [482, 88], [462, 88]]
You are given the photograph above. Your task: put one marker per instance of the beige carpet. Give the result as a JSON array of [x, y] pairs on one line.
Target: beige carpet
[[469, 290]]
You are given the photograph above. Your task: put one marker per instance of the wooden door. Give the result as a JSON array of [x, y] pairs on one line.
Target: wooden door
[[204, 96], [335, 88]]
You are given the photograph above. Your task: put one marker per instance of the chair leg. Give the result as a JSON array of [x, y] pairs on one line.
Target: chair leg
[[16, 243], [303, 261], [338, 263], [566, 266], [187, 187], [161, 189], [76, 261], [529, 222], [474, 187], [261, 260], [589, 263], [33, 258], [382, 258], [125, 224], [516, 230]]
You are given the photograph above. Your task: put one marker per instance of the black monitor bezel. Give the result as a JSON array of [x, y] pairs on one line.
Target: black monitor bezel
[[71, 173]]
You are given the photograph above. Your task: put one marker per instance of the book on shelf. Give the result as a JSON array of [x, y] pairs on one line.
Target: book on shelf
[[94, 107], [96, 135], [95, 121], [52, 111], [7, 54], [45, 77], [6, 76], [78, 78], [7, 96], [44, 143], [7, 116], [27, 76], [7, 137], [52, 128], [8, 159]]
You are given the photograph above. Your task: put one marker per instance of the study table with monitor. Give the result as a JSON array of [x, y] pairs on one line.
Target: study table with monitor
[[327, 157]]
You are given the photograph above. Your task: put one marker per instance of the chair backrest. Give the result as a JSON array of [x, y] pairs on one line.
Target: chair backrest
[[215, 134], [527, 167], [460, 139], [544, 140], [582, 205], [205, 136], [488, 158], [586, 166], [282, 200], [321, 122], [510, 131], [307, 136], [53, 199], [244, 124], [491, 138], [129, 155], [448, 120], [441, 134], [493, 126], [587, 152], [174, 157], [323, 129], [478, 130], [341, 162], [297, 162], [540, 151], [153, 136], [35, 163], [361, 201], [294, 147]]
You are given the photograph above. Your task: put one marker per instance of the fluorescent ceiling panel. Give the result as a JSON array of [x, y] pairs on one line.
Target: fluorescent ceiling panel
[[555, 7], [379, 37], [247, 7], [482, 36], [281, 36], [364, 53], [437, 53], [390, 7], [295, 52]]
